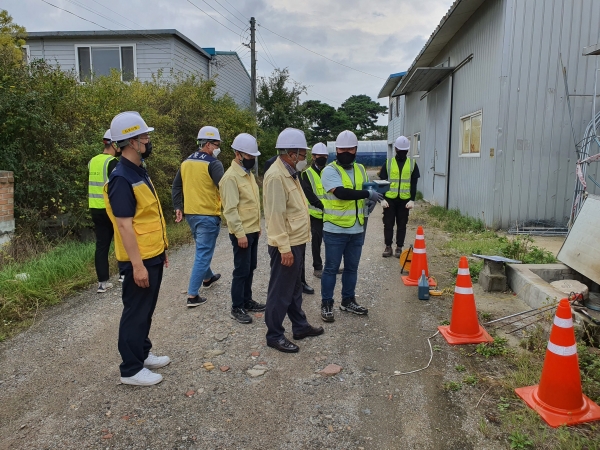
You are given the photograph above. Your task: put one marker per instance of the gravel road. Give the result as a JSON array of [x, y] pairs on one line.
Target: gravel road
[[59, 381]]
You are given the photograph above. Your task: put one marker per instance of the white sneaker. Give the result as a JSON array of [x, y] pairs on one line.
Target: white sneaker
[[121, 278], [103, 287], [155, 362], [143, 378]]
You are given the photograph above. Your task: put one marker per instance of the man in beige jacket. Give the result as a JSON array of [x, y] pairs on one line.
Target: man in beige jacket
[[288, 231], [241, 208]]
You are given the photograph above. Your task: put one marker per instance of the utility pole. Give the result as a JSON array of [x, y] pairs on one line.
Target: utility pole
[[253, 62], [253, 76]]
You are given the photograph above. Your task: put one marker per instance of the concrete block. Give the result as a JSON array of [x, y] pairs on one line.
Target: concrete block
[[492, 277], [528, 282]]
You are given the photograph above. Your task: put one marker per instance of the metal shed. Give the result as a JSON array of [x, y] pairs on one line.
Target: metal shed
[[486, 97]]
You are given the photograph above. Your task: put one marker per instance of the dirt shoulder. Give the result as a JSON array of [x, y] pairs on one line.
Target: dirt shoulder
[[59, 380]]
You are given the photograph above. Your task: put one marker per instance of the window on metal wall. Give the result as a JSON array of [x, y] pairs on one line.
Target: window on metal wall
[[397, 106], [416, 145], [470, 134], [391, 109], [100, 60]]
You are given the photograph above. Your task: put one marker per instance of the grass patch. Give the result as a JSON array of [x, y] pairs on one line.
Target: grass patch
[[452, 386], [52, 274], [496, 348]]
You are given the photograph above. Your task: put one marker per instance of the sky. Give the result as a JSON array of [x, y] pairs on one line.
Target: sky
[[376, 38]]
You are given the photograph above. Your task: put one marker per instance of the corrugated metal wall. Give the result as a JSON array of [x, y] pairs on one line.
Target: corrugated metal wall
[[188, 61], [415, 122], [475, 87], [537, 175], [232, 79]]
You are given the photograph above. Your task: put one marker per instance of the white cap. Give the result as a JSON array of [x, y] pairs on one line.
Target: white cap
[[210, 133], [346, 139], [127, 125], [246, 143], [107, 135], [319, 149], [291, 138], [402, 143]]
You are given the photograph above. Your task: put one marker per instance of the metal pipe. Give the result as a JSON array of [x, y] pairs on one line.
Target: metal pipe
[[521, 313]]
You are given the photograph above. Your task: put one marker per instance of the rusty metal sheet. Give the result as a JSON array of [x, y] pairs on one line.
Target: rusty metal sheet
[[581, 249]]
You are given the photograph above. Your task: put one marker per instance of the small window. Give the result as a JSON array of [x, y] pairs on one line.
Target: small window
[[99, 60], [26, 55], [397, 106], [391, 109], [416, 145], [470, 134]]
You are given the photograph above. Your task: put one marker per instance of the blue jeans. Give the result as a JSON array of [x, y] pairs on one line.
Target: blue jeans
[[337, 245], [205, 230]]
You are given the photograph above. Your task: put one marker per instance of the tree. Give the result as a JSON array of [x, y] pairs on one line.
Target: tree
[[279, 104], [362, 113], [12, 38], [324, 121]]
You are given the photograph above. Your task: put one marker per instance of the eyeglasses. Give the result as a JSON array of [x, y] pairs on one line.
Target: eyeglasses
[[302, 155], [215, 143]]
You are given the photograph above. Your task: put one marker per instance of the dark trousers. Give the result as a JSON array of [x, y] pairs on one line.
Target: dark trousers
[[103, 228], [395, 214], [284, 295], [316, 229], [138, 307], [244, 263]]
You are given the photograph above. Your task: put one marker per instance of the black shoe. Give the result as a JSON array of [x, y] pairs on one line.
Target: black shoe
[[195, 301], [318, 273], [351, 306], [212, 280], [310, 331], [307, 289], [240, 315], [254, 306], [327, 313], [283, 345]]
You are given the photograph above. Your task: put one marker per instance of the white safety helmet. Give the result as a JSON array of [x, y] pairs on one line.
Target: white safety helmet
[[246, 143], [346, 139], [291, 138], [127, 125], [402, 143], [209, 133], [319, 149], [107, 136]]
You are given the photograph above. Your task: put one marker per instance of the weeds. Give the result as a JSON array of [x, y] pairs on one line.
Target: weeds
[[452, 386], [519, 440], [460, 368], [470, 380], [496, 348]]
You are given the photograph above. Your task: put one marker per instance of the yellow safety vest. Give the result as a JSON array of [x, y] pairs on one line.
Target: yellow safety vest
[[148, 223], [399, 186], [200, 195], [345, 213], [317, 187], [98, 177]]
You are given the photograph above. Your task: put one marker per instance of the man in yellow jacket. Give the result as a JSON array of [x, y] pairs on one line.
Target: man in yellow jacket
[[241, 208], [288, 230], [140, 246], [195, 193]]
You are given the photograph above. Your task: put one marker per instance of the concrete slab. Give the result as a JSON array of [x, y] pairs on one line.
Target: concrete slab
[[531, 282]]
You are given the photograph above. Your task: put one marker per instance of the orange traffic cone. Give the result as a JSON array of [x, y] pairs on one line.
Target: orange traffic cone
[[464, 326], [418, 263], [558, 397]]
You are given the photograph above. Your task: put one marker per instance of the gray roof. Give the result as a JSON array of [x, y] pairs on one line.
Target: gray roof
[[451, 23], [120, 33]]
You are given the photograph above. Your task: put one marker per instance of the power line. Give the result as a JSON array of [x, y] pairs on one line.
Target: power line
[[318, 54], [245, 18], [233, 15], [215, 10], [261, 41], [200, 9]]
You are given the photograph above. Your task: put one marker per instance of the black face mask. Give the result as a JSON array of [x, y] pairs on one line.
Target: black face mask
[[402, 154], [248, 163], [148, 151], [346, 159], [321, 161]]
